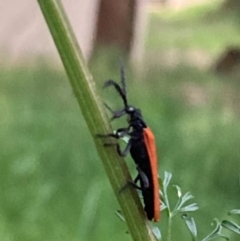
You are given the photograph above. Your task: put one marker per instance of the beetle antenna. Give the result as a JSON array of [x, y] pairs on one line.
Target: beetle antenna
[[122, 75], [120, 91]]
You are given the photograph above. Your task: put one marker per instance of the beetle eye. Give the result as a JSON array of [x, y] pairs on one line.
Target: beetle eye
[[130, 109]]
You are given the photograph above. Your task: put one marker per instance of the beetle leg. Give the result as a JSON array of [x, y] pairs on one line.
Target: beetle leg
[[137, 178], [134, 183], [121, 132], [143, 177], [115, 113], [118, 114], [131, 183], [108, 135], [120, 152], [126, 150]]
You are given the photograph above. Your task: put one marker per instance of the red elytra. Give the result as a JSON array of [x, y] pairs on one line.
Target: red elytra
[[149, 141]]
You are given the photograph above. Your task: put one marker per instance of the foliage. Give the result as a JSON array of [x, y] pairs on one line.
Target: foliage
[[182, 207]]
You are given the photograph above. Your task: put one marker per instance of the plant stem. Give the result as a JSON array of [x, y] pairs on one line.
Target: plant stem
[[83, 87], [169, 213], [169, 237]]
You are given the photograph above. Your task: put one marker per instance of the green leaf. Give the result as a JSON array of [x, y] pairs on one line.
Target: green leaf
[[231, 226], [234, 212], [157, 233], [179, 191], [163, 205], [190, 208], [215, 236], [120, 215], [216, 233], [163, 197], [182, 200], [187, 196], [167, 179], [163, 192], [189, 221]]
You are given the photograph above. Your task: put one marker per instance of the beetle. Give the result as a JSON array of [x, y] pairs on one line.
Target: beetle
[[142, 148]]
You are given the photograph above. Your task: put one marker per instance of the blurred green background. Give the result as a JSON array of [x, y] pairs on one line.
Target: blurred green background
[[53, 185]]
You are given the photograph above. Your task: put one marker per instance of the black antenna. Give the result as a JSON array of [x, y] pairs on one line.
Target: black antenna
[[122, 75], [119, 90]]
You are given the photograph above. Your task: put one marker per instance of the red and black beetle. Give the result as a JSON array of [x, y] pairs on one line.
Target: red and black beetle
[[142, 148]]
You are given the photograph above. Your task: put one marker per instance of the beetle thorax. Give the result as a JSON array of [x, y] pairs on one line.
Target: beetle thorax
[[135, 117]]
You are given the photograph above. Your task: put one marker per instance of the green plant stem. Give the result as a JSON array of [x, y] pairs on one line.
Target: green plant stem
[[169, 214], [91, 107], [169, 237]]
